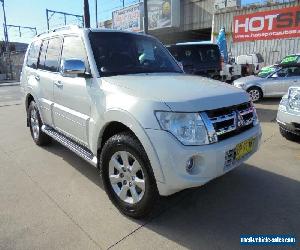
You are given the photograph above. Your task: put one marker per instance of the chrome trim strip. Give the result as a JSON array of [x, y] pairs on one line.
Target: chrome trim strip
[[222, 118], [212, 135]]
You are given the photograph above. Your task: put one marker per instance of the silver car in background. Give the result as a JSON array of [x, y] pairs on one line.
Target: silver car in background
[[271, 82], [288, 116]]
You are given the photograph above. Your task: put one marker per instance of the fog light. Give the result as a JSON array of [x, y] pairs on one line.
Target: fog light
[[189, 165]]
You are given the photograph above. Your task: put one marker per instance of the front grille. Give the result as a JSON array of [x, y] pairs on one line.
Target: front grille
[[231, 121], [297, 126]]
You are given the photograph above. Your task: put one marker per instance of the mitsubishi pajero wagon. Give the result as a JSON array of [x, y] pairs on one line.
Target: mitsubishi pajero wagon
[[120, 101]]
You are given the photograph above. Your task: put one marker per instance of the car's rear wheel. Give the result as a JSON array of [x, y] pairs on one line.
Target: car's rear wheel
[[127, 175], [255, 94], [288, 135], [35, 124]]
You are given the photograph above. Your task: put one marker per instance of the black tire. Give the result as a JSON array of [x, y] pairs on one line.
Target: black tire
[[288, 135], [42, 139], [126, 141], [255, 90]]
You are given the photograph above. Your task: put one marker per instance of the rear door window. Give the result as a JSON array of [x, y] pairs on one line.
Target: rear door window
[[33, 54], [53, 54]]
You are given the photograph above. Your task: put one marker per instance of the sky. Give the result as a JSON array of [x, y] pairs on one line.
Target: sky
[[32, 13]]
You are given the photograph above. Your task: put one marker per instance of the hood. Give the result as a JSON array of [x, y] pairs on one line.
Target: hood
[[247, 79], [180, 92]]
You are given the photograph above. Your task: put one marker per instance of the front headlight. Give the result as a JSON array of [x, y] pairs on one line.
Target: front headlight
[[188, 128], [240, 85], [294, 98], [283, 104]]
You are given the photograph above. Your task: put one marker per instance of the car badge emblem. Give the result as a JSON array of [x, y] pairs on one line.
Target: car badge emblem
[[240, 120]]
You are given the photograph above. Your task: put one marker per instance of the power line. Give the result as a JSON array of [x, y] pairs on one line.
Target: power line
[[20, 28], [50, 14]]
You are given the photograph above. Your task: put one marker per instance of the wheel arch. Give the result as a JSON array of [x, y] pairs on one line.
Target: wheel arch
[[259, 87], [120, 120]]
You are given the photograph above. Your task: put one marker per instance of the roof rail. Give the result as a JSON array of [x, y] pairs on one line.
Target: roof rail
[[66, 27]]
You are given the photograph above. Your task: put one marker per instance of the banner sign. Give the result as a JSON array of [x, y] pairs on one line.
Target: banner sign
[[163, 14], [267, 25], [128, 19]]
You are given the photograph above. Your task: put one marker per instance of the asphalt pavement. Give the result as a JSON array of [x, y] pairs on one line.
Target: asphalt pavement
[[52, 199]]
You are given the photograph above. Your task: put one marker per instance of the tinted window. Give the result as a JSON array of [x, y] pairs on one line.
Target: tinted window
[[124, 53], [196, 54], [73, 49], [53, 55], [293, 71], [33, 54], [41, 62]]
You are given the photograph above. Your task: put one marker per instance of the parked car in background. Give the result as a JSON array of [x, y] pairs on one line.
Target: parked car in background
[[293, 58], [250, 63], [121, 102], [198, 58], [288, 116], [271, 82]]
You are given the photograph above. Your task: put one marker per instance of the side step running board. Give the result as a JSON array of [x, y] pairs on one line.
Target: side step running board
[[81, 151]]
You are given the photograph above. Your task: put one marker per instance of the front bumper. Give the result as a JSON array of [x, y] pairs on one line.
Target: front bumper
[[289, 120], [209, 160]]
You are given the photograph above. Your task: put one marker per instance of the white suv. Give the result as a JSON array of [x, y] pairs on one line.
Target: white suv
[[120, 101]]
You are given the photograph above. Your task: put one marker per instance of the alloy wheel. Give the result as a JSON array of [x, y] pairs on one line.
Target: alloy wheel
[[34, 123], [126, 177], [254, 94]]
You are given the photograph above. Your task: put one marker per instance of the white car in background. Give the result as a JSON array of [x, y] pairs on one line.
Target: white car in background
[[121, 102], [288, 116]]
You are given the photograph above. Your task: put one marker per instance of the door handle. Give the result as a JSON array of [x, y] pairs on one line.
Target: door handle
[[58, 84], [37, 77]]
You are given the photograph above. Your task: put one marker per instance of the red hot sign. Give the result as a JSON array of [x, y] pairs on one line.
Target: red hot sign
[[267, 25]]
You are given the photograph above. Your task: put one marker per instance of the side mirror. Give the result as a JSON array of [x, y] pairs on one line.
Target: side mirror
[[72, 67]]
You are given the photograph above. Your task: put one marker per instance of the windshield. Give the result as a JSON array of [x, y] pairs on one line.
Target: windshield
[[291, 59], [267, 71], [119, 53]]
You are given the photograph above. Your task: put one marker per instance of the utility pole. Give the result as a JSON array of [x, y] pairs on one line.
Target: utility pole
[[47, 15], [7, 48], [86, 11], [5, 27], [145, 16], [96, 13]]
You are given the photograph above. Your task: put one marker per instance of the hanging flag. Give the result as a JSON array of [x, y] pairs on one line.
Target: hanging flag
[[221, 41]]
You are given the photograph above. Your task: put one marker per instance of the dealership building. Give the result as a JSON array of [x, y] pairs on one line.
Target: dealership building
[[271, 29]]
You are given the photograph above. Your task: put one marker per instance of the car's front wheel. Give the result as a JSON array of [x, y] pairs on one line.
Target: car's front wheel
[[127, 175], [255, 94]]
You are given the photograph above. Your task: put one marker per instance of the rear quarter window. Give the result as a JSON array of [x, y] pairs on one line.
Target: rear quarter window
[[33, 54]]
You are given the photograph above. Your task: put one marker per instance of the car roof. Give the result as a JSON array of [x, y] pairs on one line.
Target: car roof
[[193, 43], [71, 29], [297, 54]]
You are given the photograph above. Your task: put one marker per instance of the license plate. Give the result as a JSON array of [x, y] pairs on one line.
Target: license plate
[[244, 148]]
